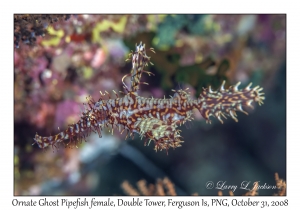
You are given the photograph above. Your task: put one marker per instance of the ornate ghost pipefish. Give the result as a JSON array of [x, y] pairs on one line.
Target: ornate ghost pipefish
[[152, 118]]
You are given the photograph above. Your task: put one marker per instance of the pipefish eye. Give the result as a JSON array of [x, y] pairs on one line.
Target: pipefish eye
[[183, 94]]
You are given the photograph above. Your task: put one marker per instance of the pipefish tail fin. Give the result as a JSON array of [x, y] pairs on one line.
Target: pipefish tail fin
[[226, 102]]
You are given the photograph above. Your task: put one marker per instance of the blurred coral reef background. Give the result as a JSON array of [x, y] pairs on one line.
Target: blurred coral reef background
[[61, 59]]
